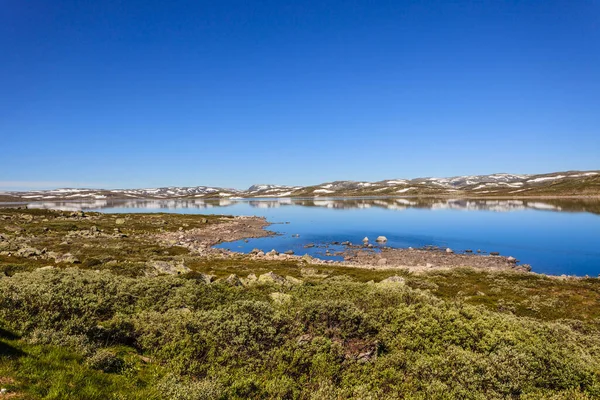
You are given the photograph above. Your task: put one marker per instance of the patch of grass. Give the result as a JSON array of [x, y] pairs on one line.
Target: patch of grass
[[53, 372], [121, 243], [530, 295]]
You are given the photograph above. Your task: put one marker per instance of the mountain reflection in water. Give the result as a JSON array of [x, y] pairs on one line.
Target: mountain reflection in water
[[564, 205]]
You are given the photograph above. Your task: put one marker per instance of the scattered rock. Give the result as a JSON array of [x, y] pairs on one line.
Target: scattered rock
[[233, 280], [468, 251], [449, 251], [511, 259], [45, 268], [308, 246], [169, 267], [204, 221], [27, 217], [289, 252], [273, 253], [494, 253], [120, 221], [208, 279], [271, 277], [13, 228], [381, 239], [365, 240], [382, 261], [365, 357], [28, 252]]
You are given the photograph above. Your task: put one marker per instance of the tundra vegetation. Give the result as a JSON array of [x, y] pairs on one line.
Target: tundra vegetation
[[83, 315]]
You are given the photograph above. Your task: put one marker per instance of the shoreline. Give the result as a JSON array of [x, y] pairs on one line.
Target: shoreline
[[202, 242], [34, 238]]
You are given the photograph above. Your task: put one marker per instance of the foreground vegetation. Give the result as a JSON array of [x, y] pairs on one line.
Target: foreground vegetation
[[108, 329], [171, 337]]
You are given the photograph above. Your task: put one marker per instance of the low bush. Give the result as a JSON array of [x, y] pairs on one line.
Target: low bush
[[334, 339]]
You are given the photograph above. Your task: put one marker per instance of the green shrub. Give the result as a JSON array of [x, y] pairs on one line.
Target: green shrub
[[334, 339]]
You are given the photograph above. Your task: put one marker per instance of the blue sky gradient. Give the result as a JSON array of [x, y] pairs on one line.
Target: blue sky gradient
[[231, 93]]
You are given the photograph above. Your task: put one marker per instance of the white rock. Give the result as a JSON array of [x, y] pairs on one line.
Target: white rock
[[381, 239]]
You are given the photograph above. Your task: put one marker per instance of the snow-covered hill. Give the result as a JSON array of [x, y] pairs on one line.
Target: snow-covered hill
[[553, 184]]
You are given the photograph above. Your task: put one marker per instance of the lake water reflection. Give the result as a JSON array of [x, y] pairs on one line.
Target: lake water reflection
[[553, 236]]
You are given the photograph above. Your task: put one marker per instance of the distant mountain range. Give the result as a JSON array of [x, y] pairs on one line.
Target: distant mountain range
[[570, 183]]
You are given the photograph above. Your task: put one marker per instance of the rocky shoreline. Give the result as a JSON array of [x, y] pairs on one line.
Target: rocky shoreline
[[158, 243], [201, 242]]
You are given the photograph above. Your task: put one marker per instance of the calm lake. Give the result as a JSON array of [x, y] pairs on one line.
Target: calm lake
[[554, 237]]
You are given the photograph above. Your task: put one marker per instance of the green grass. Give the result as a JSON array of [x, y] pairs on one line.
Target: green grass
[[530, 295], [64, 232], [55, 372]]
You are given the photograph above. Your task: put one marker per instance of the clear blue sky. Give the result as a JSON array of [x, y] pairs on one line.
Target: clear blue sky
[[155, 93]]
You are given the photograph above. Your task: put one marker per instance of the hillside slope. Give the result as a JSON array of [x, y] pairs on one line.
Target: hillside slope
[[570, 183]]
